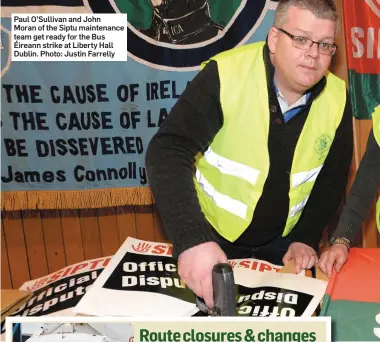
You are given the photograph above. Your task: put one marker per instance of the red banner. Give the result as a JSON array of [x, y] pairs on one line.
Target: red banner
[[362, 27]]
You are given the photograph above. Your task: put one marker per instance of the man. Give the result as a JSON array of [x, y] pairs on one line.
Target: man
[[364, 189], [254, 157]]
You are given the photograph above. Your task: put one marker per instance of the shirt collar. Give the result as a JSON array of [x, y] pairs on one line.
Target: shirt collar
[[284, 104]]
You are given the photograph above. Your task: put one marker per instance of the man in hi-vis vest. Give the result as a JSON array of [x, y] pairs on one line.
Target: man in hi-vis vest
[[363, 191], [253, 159]]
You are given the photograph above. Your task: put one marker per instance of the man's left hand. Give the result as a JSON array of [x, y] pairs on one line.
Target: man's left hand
[[304, 256], [336, 256]]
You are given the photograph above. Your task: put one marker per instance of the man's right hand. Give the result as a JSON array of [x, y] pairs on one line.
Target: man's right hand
[[195, 268]]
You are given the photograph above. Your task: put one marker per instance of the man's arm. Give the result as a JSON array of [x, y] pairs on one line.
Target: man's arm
[[364, 188], [189, 128], [329, 187], [363, 191]]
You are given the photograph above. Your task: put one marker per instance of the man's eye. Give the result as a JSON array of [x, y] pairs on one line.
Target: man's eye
[[325, 45], [300, 39]]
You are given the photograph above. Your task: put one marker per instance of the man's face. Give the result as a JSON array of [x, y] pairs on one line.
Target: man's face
[[300, 69]]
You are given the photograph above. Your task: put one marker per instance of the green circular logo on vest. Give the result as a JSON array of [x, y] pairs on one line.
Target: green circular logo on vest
[[322, 144]]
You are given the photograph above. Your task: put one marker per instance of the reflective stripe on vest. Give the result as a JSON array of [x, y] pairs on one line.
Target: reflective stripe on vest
[[230, 167], [231, 174], [376, 133], [222, 201]]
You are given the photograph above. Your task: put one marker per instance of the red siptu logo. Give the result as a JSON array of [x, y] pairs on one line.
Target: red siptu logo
[[232, 263], [142, 247], [362, 35]]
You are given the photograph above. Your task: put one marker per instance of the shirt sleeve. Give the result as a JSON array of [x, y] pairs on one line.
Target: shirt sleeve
[[362, 193], [189, 128]]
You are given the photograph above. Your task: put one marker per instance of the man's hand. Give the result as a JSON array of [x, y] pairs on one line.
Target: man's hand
[[337, 255], [195, 268], [304, 256]]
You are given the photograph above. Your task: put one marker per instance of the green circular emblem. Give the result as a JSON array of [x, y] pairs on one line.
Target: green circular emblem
[[322, 144]]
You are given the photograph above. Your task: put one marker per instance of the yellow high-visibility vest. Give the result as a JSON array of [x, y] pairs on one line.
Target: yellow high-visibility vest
[[231, 174], [376, 133]]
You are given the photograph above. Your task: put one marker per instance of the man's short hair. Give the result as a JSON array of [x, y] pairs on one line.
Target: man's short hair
[[323, 9]]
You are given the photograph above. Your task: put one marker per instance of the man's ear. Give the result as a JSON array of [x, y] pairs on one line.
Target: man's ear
[[272, 39]]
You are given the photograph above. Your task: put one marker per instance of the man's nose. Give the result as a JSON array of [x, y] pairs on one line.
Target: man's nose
[[313, 51]]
